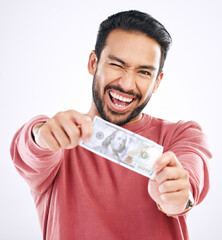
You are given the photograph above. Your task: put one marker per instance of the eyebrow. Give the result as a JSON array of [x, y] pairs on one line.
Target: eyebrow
[[111, 57], [149, 67]]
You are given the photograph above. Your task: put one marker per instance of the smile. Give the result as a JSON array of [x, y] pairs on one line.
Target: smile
[[120, 98], [120, 101]]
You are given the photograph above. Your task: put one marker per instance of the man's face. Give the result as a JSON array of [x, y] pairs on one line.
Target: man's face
[[118, 142], [125, 76]]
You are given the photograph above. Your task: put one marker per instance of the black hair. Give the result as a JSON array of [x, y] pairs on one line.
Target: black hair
[[134, 21]]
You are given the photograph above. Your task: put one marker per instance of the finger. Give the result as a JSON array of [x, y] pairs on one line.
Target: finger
[[46, 139], [175, 197], [171, 173], [166, 159], [60, 134], [82, 121], [86, 126], [86, 129], [173, 186], [78, 118], [73, 132]]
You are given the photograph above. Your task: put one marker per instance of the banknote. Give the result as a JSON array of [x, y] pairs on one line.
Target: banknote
[[123, 147]]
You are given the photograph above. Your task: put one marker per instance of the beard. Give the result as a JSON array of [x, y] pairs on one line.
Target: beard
[[110, 115]]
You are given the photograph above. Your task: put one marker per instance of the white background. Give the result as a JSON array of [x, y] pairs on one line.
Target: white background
[[44, 48]]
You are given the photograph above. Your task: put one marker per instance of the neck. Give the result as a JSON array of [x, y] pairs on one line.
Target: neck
[[93, 111]]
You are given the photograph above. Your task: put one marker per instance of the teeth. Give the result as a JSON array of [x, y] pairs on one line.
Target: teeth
[[123, 99], [119, 105]]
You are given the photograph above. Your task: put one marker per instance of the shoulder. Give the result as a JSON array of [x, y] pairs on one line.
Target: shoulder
[[180, 131], [174, 128], [186, 130], [181, 124], [186, 136]]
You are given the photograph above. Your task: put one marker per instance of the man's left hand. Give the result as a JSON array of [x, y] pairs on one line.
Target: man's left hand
[[170, 187]]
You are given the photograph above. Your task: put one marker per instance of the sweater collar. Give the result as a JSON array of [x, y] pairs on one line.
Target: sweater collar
[[138, 125]]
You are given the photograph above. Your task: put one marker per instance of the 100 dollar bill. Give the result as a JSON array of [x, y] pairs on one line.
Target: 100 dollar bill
[[123, 147]]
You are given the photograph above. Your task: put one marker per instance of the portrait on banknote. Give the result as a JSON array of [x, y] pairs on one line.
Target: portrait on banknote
[[113, 145]]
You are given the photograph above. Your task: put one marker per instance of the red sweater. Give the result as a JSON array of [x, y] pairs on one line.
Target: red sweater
[[80, 195]]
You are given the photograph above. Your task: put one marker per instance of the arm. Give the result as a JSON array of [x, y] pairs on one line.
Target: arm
[[38, 161]]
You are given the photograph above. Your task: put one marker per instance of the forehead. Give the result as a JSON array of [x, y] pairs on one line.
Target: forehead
[[132, 47], [120, 134]]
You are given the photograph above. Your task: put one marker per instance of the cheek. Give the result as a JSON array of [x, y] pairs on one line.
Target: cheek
[[109, 75], [146, 89]]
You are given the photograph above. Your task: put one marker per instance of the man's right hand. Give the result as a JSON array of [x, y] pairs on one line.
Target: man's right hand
[[64, 130]]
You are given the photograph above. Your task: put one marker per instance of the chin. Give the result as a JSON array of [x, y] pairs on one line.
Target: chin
[[118, 118]]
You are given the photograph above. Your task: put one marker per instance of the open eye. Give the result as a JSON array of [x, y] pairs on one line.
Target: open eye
[[145, 72]]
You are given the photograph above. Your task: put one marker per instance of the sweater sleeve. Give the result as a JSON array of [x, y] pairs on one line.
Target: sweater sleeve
[[189, 143], [36, 165]]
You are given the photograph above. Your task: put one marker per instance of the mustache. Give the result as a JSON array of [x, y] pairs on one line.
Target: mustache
[[120, 89]]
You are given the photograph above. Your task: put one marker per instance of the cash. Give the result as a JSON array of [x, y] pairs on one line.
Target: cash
[[123, 147]]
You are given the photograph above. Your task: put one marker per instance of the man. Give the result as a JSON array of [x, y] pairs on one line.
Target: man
[[113, 145], [80, 195]]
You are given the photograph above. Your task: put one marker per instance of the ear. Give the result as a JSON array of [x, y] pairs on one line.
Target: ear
[[92, 63], [157, 82]]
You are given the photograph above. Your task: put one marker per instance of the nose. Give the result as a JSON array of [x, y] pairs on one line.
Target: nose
[[128, 80]]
